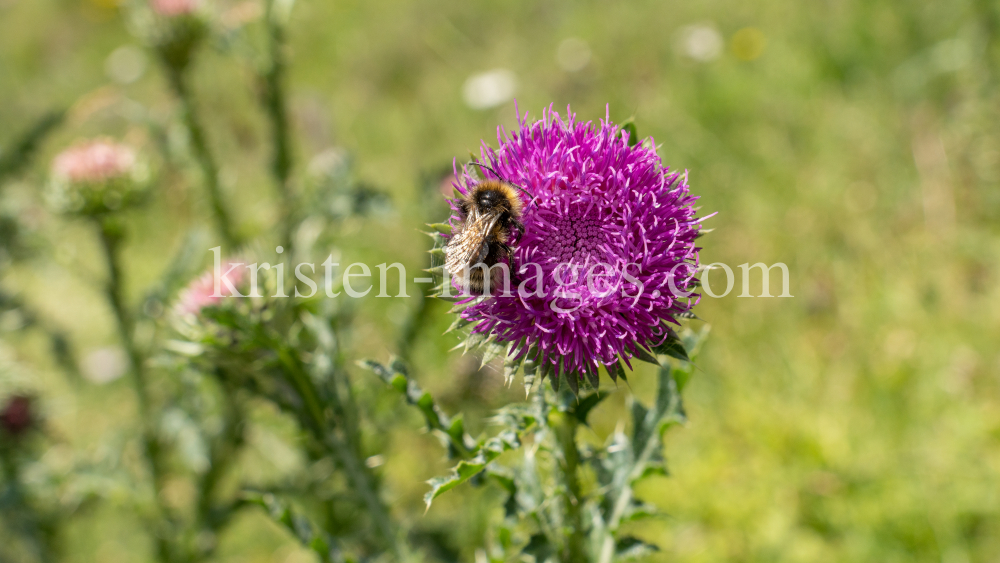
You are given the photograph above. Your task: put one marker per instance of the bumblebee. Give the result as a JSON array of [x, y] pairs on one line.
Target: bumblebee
[[490, 210]]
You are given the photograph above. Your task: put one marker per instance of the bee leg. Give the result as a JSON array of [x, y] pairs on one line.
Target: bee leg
[[514, 280], [518, 228]]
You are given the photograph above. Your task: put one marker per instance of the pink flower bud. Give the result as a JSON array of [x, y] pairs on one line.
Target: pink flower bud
[[94, 161], [202, 293], [171, 8]]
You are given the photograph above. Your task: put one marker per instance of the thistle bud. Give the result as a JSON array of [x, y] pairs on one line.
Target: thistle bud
[[209, 289], [171, 8], [96, 177], [177, 30]]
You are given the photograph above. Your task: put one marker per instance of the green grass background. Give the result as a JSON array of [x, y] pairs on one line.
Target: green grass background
[[857, 421]]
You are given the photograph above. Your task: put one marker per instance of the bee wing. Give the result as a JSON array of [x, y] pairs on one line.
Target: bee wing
[[465, 247]]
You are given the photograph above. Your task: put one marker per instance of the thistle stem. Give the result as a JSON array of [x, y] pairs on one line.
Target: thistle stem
[[19, 512], [275, 107], [222, 454], [111, 239], [346, 454], [178, 78], [564, 426]]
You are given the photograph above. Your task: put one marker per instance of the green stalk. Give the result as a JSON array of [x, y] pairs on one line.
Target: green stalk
[[111, 239], [564, 425], [202, 154], [26, 519], [342, 448], [222, 455], [275, 107]]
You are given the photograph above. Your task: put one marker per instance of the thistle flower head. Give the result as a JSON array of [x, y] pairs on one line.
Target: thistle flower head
[[170, 8], [211, 287], [607, 259], [96, 176]]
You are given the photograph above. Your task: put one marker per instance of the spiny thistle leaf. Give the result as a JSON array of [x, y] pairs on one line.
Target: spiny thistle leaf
[[640, 353], [517, 416], [530, 371], [492, 351], [466, 469], [650, 424], [450, 431], [475, 340], [638, 510], [435, 270], [673, 347], [457, 324], [508, 483], [633, 136], [694, 340], [593, 378], [308, 534], [615, 371], [443, 228], [629, 548], [573, 379], [511, 364], [587, 403], [550, 372]]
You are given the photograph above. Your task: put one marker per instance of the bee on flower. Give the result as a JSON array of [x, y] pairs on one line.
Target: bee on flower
[[605, 254]]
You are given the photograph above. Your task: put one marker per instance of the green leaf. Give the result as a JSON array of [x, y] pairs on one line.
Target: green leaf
[[436, 270], [451, 431], [640, 414], [640, 353], [638, 510], [475, 340], [650, 424], [629, 127], [551, 372], [511, 364], [530, 369], [586, 404], [507, 482], [673, 347], [492, 351], [615, 371], [308, 534], [629, 548], [694, 340], [443, 228], [573, 379], [466, 469], [592, 376], [539, 548]]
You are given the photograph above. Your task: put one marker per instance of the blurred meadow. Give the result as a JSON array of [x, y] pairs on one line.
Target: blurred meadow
[[856, 141]]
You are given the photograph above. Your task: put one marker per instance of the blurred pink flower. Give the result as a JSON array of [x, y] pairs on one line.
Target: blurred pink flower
[[94, 161], [174, 7], [201, 292]]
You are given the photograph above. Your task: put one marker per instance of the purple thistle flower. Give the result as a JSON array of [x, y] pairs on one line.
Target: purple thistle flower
[[610, 235]]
